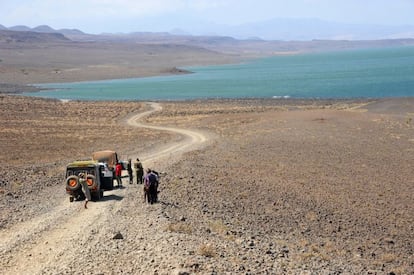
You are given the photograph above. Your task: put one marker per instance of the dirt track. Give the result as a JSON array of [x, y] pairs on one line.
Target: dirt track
[[191, 138], [279, 187], [52, 242]]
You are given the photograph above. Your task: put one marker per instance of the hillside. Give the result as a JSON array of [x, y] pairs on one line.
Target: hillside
[[7, 36], [278, 187]]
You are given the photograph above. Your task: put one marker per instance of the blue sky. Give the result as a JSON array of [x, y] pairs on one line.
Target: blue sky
[[96, 16]]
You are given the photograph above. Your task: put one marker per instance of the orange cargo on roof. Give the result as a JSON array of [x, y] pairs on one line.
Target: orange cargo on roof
[[110, 157]]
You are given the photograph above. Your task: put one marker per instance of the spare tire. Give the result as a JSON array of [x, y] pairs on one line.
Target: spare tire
[[72, 183], [91, 181]]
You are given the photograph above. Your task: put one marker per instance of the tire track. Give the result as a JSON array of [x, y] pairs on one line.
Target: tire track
[[56, 239]]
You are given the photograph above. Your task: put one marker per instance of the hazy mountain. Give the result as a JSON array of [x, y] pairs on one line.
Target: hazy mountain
[[10, 36], [309, 29], [276, 29], [20, 28], [43, 28], [71, 32], [282, 29]]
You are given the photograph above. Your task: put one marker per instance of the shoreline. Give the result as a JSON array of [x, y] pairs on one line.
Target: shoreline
[[19, 89], [8, 88], [98, 73]]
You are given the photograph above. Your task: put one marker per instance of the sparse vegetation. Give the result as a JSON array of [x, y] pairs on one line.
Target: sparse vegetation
[[207, 250], [218, 226], [281, 194], [180, 227]]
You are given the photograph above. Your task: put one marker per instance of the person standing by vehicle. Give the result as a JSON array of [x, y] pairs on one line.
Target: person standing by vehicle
[[139, 170], [84, 183], [129, 168], [118, 174]]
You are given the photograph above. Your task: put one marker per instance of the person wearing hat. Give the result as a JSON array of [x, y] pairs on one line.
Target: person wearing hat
[[84, 183]]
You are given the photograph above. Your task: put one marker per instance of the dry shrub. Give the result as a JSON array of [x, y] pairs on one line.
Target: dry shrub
[[180, 227], [16, 185], [314, 251], [218, 226], [207, 250], [388, 258], [311, 216], [244, 195]]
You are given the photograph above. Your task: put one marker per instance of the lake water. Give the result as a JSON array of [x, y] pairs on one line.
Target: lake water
[[387, 72]]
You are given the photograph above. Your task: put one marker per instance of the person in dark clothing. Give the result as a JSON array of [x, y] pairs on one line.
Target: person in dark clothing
[[151, 186], [130, 174], [139, 170]]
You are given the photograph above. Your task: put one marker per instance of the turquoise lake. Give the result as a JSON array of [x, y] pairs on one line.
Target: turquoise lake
[[369, 73]]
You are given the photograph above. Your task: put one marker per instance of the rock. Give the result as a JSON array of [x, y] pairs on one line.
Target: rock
[[118, 236]]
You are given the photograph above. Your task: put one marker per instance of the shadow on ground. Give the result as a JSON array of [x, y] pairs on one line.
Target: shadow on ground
[[112, 197]]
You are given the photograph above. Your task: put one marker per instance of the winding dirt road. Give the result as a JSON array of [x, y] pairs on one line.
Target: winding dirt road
[[191, 139], [64, 239]]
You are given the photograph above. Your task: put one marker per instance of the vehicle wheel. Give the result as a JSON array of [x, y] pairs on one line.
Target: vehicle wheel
[[72, 183], [71, 198], [96, 196], [91, 180]]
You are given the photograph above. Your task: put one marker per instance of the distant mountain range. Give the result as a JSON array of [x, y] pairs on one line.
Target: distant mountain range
[[9, 36], [253, 46], [42, 33], [276, 29], [309, 29], [42, 29]]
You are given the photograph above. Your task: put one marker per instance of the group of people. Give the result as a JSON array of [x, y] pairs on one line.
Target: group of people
[[150, 180], [139, 170]]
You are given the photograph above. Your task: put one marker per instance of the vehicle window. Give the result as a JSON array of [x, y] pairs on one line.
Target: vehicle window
[[77, 171]]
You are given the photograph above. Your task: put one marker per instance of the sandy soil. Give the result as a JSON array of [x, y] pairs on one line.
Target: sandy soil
[[247, 187]]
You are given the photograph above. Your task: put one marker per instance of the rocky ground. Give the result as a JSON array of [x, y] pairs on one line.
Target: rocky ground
[[280, 187]]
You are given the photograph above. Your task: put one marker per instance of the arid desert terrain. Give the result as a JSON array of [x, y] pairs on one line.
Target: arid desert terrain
[[248, 186]]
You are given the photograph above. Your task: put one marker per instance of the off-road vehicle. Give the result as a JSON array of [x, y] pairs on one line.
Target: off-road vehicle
[[99, 178]]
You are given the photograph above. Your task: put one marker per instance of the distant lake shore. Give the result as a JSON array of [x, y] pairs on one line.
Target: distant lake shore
[[374, 73]]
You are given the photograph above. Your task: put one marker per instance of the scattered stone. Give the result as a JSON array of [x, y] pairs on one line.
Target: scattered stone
[[118, 236]]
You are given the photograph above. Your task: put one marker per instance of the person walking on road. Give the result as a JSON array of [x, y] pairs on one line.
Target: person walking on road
[[139, 170]]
